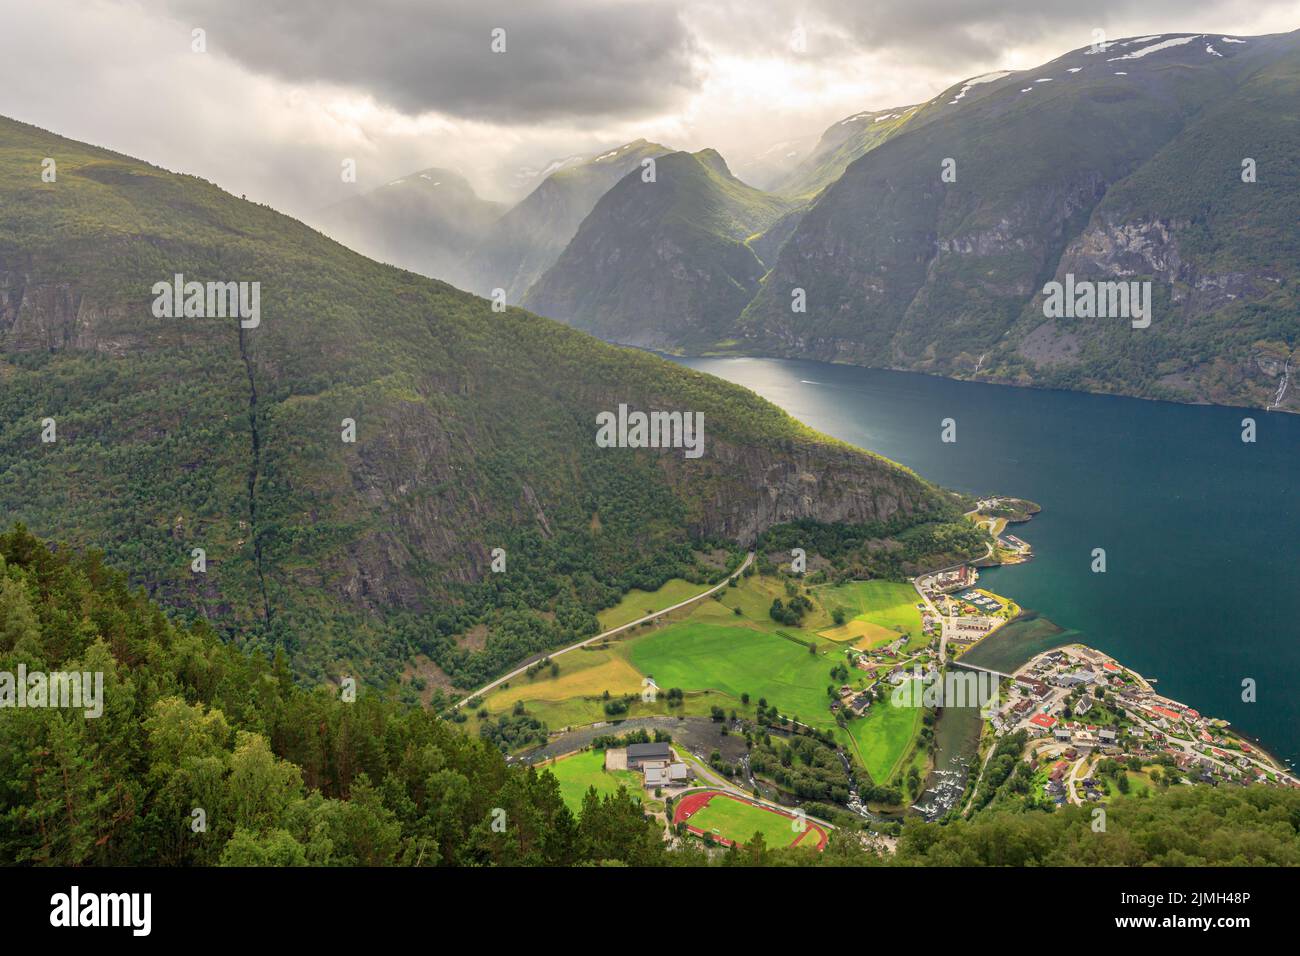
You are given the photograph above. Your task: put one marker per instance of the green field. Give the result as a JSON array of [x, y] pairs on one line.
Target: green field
[[886, 604], [736, 660], [883, 737], [738, 821], [580, 771], [715, 656], [637, 603]]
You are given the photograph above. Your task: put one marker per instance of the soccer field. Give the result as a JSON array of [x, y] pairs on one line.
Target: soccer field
[[738, 820]]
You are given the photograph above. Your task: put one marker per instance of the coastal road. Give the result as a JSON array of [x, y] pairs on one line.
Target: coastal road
[[749, 559], [943, 620]]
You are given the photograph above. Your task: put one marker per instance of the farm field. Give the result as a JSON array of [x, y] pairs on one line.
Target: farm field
[[738, 820], [583, 673], [715, 655], [883, 737], [637, 603], [754, 597], [887, 607], [578, 772], [736, 660]]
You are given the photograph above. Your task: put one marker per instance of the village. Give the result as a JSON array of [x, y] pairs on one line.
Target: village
[[1081, 707]]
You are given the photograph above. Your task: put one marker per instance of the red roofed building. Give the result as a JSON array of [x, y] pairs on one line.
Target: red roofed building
[[1112, 667], [1042, 720], [1166, 713]]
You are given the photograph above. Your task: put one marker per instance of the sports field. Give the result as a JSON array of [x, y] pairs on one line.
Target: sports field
[[735, 820], [578, 772], [737, 660]]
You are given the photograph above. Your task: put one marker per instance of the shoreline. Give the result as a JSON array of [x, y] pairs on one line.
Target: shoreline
[[681, 357], [1225, 748], [1168, 712]]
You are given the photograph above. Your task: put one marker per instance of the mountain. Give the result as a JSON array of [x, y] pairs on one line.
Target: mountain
[[527, 240], [1124, 164], [664, 262], [423, 222], [149, 437], [766, 166], [840, 145]]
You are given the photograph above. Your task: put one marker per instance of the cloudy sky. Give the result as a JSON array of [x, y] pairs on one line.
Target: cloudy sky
[[288, 89]]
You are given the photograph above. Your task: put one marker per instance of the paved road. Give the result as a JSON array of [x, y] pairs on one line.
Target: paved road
[[1071, 793], [749, 559], [943, 620]]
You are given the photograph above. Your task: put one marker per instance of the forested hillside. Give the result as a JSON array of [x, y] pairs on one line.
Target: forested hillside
[[474, 430], [667, 261], [527, 240]]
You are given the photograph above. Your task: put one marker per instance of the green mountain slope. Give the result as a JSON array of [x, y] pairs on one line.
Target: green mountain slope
[[424, 222], [527, 240], [474, 430], [1121, 164], [662, 262], [840, 145]]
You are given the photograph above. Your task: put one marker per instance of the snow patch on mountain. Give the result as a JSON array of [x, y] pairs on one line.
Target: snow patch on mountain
[[974, 81], [1154, 48]]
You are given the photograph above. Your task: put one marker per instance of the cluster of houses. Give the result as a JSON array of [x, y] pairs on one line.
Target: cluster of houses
[[947, 581], [1151, 725], [872, 660], [853, 701]]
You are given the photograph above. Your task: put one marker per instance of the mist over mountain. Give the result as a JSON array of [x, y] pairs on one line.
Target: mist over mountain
[[662, 261], [526, 241], [423, 222], [922, 237]]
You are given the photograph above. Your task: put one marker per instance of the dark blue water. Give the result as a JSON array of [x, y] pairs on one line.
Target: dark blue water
[[1201, 531]]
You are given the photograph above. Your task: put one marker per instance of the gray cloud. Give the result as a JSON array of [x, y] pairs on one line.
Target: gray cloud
[[952, 33], [564, 58]]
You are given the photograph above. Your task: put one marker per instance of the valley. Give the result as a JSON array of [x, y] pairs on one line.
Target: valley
[[607, 436], [929, 237]]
